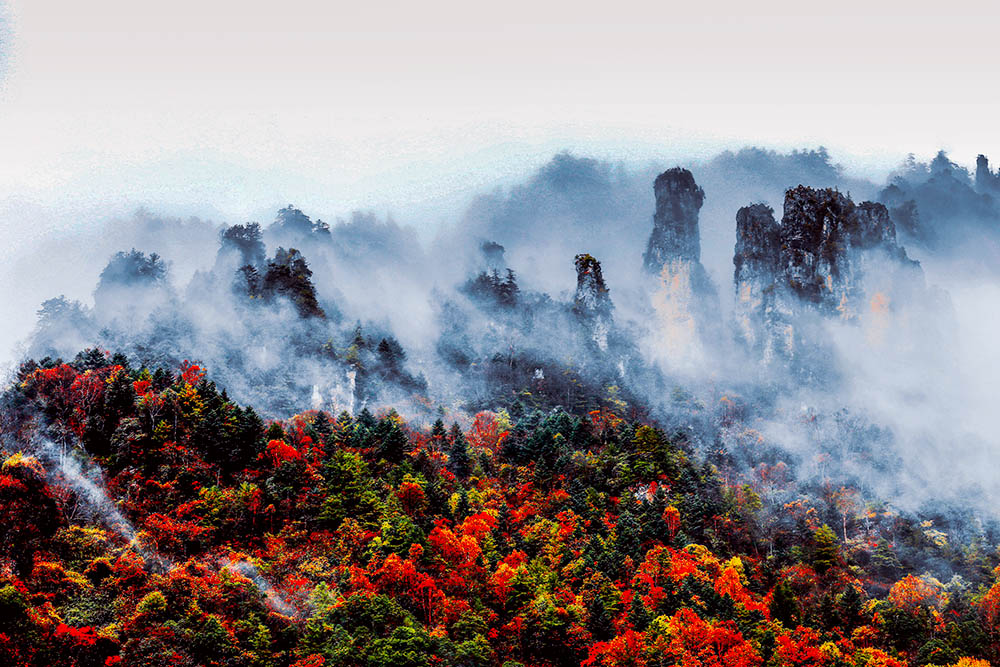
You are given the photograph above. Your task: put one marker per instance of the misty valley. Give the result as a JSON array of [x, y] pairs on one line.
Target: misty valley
[[735, 412]]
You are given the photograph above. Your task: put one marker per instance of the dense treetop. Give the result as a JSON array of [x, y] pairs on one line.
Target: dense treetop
[[149, 520]]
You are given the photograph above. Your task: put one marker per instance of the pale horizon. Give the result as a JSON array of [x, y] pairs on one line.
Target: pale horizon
[[223, 109], [227, 111]]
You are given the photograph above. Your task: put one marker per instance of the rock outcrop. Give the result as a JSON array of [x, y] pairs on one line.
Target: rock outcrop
[[829, 258], [683, 297], [822, 232], [493, 256], [675, 223], [763, 318], [592, 302], [986, 180]]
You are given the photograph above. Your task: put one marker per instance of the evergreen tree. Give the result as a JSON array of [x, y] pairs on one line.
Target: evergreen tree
[[784, 606], [628, 534], [391, 354], [322, 426], [90, 359], [638, 615], [244, 240], [289, 276], [392, 443], [438, 434], [248, 281], [459, 462], [849, 607], [599, 620]]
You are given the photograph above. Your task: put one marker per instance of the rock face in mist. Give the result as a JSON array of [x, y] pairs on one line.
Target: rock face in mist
[[684, 299], [493, 256], [675, 223], [829, 257], [763, 318], [592, 303], [821, 232], [986, 180]]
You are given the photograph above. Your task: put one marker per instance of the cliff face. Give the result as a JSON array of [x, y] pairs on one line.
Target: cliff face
[[986, 180], [821, 233], [675, 223], [763, 319], [828, 258], [684, 299], [758, 242], [592, 303]]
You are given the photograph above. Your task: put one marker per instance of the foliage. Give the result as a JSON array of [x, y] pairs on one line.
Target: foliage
[[540, 539]]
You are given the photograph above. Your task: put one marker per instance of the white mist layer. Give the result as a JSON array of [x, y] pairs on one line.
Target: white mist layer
[[86, 488], [272, 598], [935, 399]]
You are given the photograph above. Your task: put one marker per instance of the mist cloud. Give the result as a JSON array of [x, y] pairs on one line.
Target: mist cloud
[[357, 313]]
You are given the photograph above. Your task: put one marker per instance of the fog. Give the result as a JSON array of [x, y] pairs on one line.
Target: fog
[[883, 379]]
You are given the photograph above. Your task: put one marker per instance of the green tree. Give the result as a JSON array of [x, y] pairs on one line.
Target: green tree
[[212, 643], [825, 553], [784, 606], [392, 441], [459, 461]]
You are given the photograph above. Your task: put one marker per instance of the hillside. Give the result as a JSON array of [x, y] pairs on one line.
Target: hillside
[[556, 434], [517, 538]]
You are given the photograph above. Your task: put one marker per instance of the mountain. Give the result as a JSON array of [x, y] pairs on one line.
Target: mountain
[[554, 435], [158, 522]]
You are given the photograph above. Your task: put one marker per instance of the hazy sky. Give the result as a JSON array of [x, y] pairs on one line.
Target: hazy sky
[[229, 109], [235, 106]]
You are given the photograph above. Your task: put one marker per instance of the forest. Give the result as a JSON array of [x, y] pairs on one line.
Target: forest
[[335, 445], [522, 537]]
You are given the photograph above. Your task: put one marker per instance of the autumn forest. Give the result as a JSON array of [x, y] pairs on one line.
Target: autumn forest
[[335, 445]]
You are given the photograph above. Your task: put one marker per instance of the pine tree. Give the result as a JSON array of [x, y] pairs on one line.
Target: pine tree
[[849, 607], [322, 427], [289, 275], [599, 621], [638, 615], [784, 606], [628, 535], [392, 442], [458, 459]]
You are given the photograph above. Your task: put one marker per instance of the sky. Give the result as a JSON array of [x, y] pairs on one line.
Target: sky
[[229, 109]]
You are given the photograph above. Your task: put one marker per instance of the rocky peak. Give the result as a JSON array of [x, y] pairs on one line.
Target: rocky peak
[[986, 180], [682, 295], [758, 241], [493, 255], [820, 230], [675, 224], [759, 318], [828, 256], [592, 303], [591, 291]]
